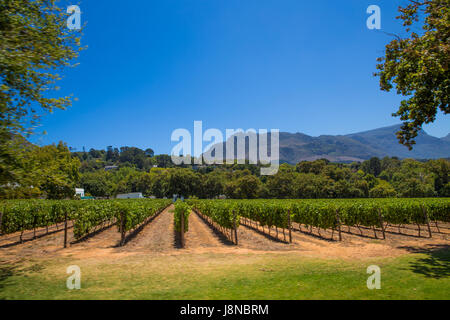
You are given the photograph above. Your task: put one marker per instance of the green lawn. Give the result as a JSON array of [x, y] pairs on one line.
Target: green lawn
[[229, 276]]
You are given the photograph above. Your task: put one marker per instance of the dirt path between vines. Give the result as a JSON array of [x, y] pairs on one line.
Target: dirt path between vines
[[156, 236], [201, 235]]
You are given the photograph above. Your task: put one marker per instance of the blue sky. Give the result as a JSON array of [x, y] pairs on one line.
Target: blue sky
[[154, 66]]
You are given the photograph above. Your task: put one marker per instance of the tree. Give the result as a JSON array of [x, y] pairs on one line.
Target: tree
[[11, 151], [95, 153], [417, 66], [48, 171], [344, 189], [149, 152], [246, 187], [35, 43], [372, 166], [163, 161], [281, 185], [309, 185], [441, 170], [414, 188], [212, 186], [312, 166], [57, 170], [160, 182], [112, 155], [98, 183], [382, 190], [183, 182]]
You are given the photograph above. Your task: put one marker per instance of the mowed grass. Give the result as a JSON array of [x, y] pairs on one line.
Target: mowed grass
[[229, 276]]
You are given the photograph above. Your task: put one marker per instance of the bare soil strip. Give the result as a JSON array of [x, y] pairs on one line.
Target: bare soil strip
[[255, 239], [108, 237], [157, 236], [393, 233], [43, 246], [29, 235], [200, 235]]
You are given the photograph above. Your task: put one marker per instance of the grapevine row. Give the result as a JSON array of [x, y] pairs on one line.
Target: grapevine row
[[327, 214], [21, 215]]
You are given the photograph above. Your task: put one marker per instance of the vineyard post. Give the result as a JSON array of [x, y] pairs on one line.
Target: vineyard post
[[235, 229], [34, 223], [339, 224], [289, 226], [182, 230], [381, 223], [427, 220], [65, 229], [1, 218], [437, 227], [122, 228]]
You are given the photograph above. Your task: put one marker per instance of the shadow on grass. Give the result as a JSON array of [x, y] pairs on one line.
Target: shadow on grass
[[8, 271], [435, 265]]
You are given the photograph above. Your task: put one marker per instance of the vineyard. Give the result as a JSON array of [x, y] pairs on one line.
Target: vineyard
[[86, 216], [326, 214], [226, 216], [155, 242]]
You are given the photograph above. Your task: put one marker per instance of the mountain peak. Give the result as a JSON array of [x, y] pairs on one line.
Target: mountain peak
[[381, 142], [446, 138]]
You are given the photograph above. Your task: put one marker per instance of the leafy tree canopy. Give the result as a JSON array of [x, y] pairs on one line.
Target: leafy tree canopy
[[417, 66], [35, 44]]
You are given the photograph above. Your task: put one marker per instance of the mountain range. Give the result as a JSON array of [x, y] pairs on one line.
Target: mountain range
[[381, 142]]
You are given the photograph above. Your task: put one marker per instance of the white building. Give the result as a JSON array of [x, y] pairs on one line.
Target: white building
[[79, 192], [135, 195]]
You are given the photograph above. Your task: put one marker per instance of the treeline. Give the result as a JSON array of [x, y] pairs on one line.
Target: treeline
[[141, 171], [30, 171], [54, 172], [93, 159]]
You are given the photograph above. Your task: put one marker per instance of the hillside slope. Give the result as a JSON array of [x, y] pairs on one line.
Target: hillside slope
[[295, 147]]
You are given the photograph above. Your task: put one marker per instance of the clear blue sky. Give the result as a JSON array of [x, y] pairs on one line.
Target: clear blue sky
[[294, 65]]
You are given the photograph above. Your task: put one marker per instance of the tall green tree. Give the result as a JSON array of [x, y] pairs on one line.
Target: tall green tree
[[35, 45], [417, 66], [48, 171], [56, 171]]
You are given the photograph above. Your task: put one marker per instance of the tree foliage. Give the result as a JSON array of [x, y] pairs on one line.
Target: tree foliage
[[48, 171], [377, 178], [417, 66], [35, 44]]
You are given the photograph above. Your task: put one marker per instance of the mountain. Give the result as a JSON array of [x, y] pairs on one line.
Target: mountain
[[446, 138], [296, 147]]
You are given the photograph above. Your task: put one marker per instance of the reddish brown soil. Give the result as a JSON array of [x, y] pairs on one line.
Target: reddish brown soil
[[156, 236], [200, 235]]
